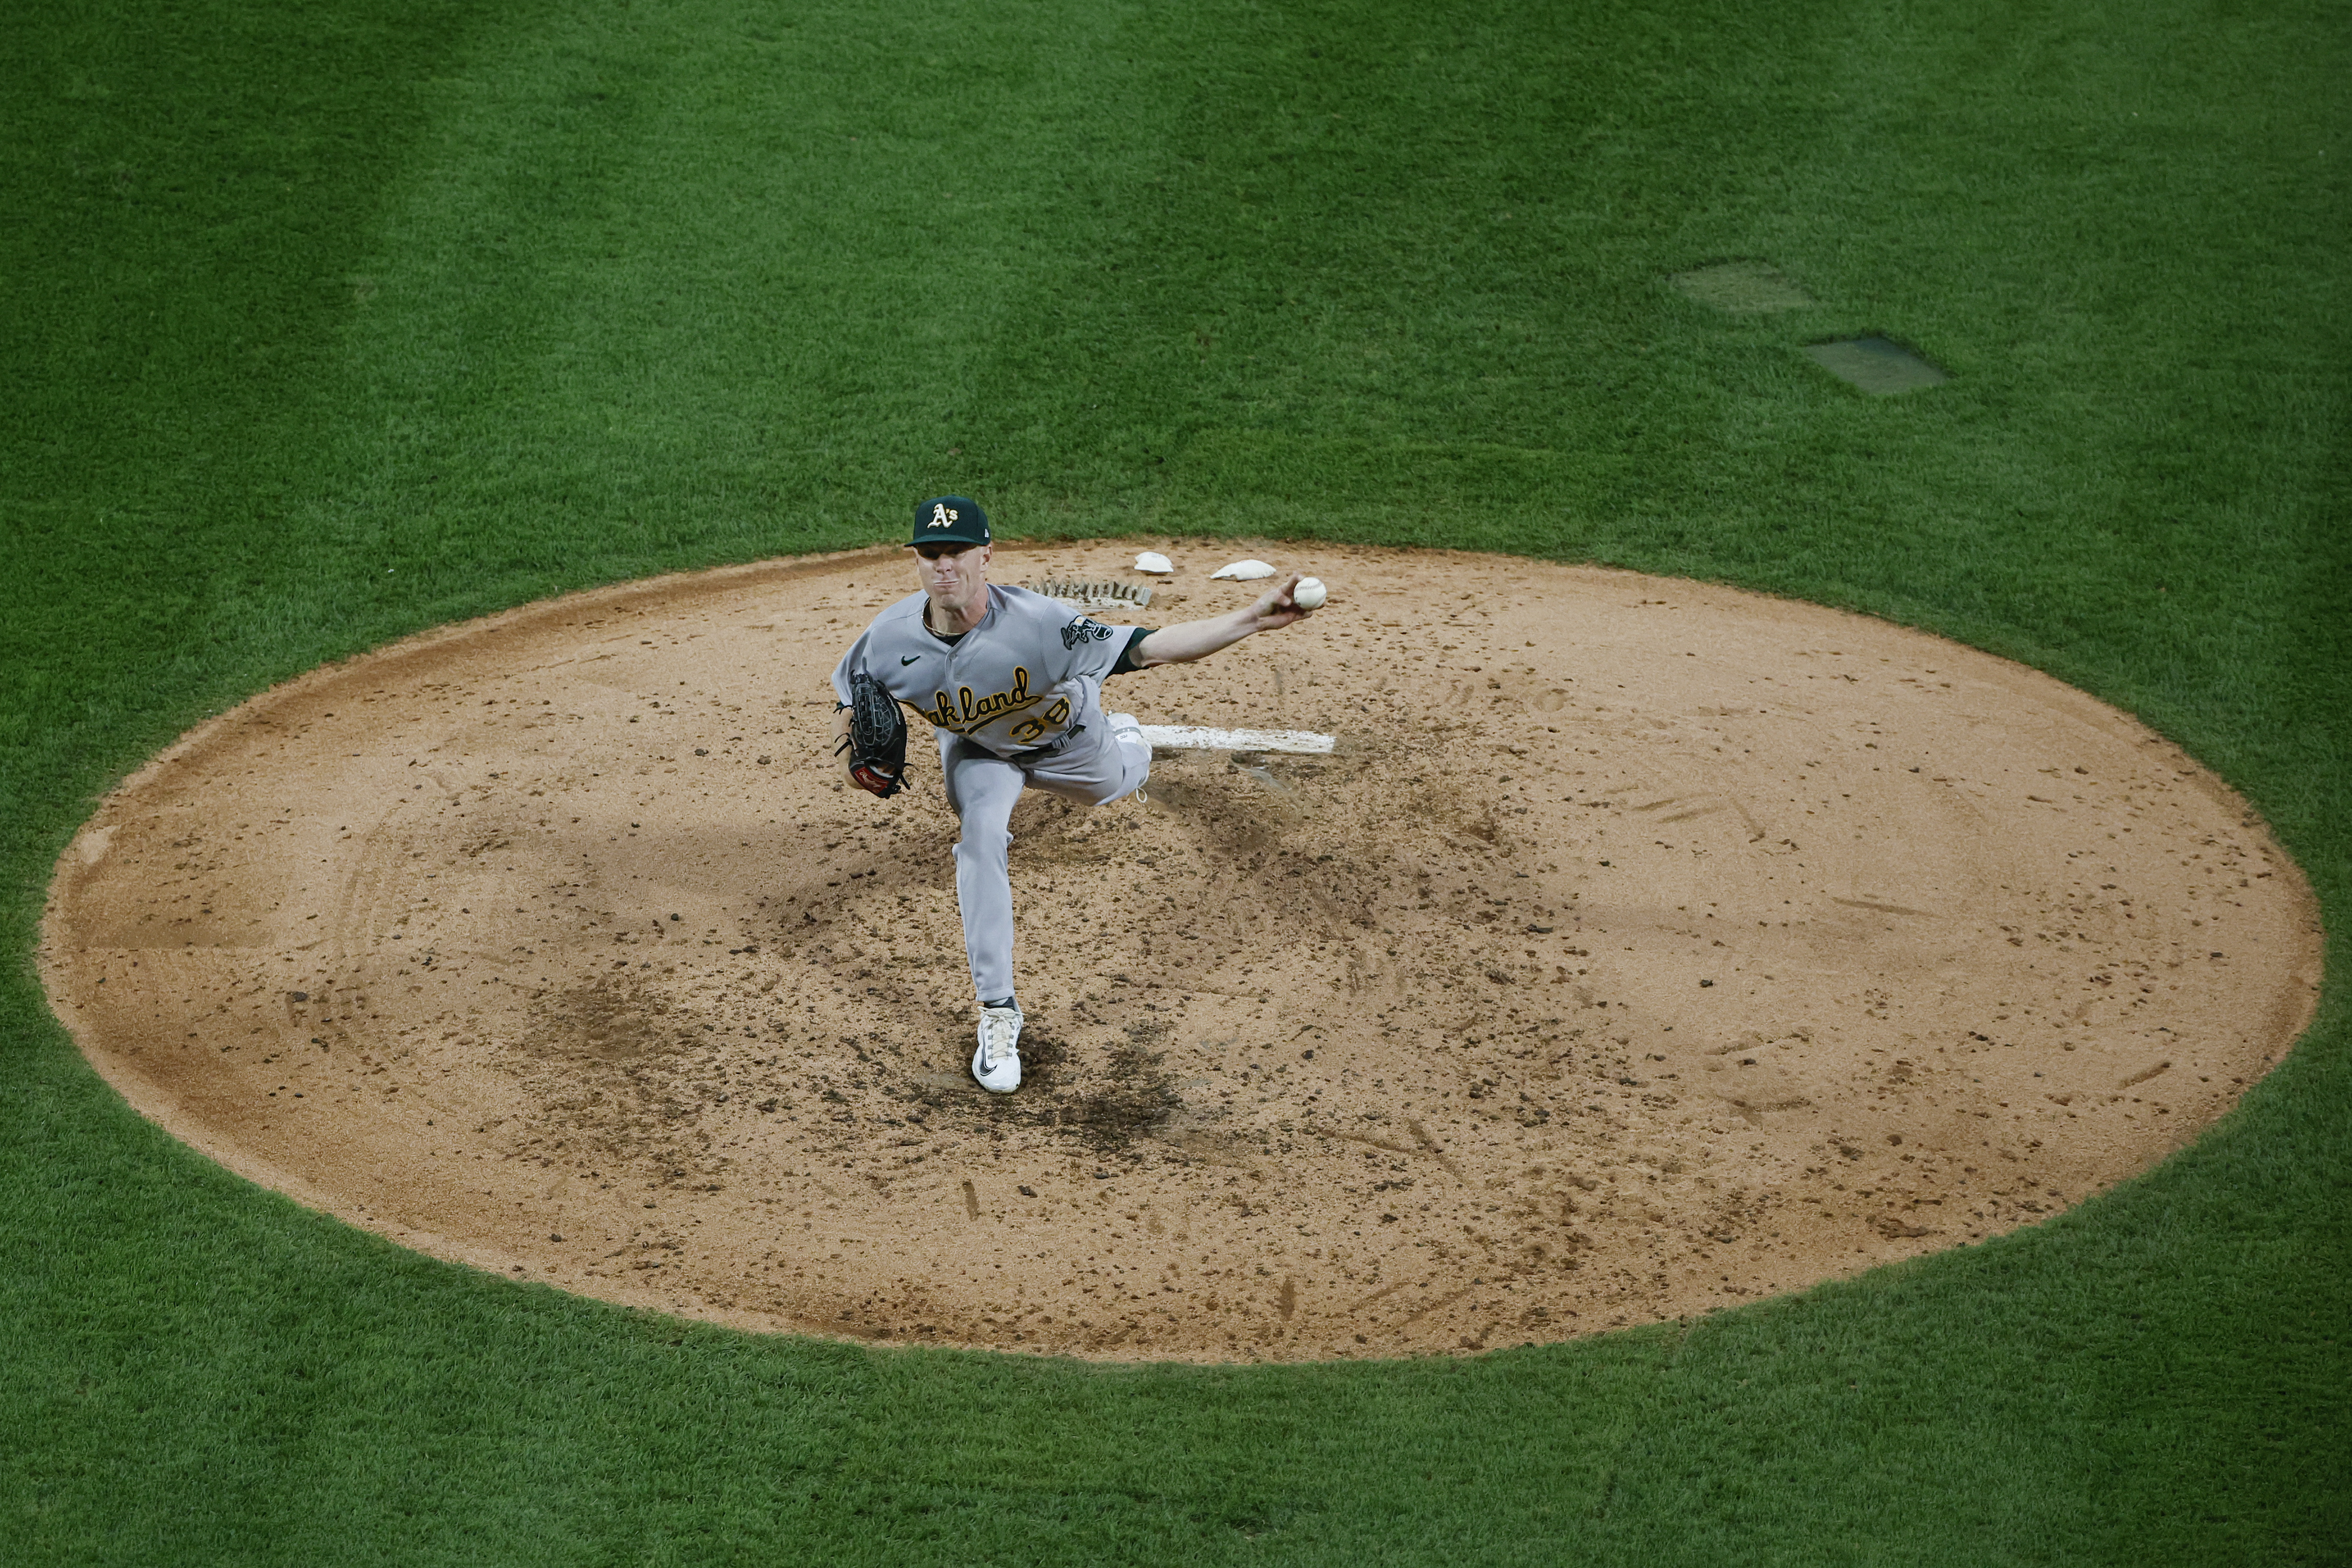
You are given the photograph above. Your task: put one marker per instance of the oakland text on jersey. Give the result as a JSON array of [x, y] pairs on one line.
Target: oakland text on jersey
[[965, 713], [1024, 676]]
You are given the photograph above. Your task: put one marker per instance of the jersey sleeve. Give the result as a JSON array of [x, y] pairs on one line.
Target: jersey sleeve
[[1090, 648]]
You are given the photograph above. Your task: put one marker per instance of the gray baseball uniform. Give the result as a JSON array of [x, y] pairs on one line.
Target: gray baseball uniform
[[1016, 702]]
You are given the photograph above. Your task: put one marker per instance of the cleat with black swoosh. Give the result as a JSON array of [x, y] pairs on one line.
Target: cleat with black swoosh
[[996, 1064]]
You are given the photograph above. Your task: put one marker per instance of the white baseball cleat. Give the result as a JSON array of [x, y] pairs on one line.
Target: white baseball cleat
[[1127, 729], [996, 1064]]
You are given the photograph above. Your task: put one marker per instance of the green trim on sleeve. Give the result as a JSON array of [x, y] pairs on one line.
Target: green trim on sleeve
[[1127, 665]]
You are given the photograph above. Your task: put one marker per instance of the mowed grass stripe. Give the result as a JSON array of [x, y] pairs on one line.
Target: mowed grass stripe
[[335, 323]]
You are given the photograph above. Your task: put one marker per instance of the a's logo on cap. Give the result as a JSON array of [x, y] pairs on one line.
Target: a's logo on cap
[[941, 516]]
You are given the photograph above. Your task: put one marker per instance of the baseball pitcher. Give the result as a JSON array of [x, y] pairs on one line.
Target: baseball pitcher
[[1011, 682]]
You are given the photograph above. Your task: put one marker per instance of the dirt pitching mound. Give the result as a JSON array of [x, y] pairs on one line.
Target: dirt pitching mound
[[1642, 947]]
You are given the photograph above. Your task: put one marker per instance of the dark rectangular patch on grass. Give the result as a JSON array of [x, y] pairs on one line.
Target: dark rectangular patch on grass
[[1877, 366]]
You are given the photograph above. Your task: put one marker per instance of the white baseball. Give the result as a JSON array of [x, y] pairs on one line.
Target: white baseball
[[1311, 594]]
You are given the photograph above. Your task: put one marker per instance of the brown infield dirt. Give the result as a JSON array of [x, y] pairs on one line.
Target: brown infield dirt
[[1643, 947]]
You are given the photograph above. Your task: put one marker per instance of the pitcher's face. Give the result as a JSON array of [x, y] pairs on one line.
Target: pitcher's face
[[952, 574]]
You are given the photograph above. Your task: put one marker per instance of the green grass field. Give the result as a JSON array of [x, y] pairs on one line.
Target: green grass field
[[321, 323]]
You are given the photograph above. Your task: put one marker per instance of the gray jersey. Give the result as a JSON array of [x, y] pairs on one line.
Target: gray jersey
[[1028, 674]]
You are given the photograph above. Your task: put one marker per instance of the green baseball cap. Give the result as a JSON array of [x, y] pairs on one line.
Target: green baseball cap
[[950, 520]]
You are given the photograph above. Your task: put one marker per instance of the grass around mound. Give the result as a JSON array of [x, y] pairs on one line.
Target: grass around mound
[[325, 323]]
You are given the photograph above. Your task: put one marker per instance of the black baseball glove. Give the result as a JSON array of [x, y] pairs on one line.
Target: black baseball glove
[[877, 741]]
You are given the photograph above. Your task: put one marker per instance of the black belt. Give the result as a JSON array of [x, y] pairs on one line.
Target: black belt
[[1042, 753]]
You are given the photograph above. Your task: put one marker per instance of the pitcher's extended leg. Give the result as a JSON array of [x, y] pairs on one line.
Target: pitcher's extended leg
[[980, 789]]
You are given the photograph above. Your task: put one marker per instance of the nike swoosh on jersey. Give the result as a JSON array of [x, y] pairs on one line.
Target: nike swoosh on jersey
[[905, 659]]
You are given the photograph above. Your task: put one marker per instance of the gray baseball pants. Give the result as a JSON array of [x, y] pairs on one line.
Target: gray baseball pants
[[1100, 766]]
